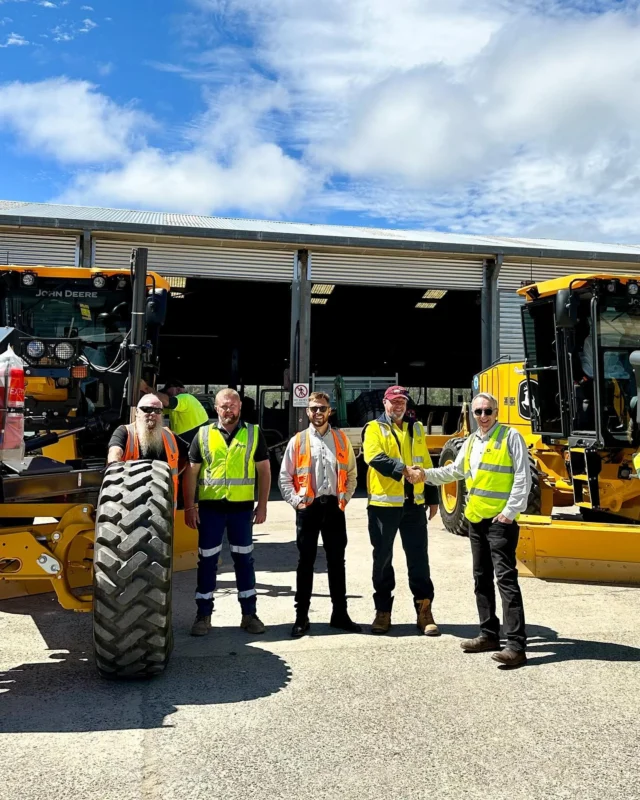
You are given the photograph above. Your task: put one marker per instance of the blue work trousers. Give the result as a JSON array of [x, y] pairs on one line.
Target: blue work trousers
[[239, 527]]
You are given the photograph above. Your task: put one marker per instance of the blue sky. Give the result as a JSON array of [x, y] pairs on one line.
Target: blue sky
[[515, 117]]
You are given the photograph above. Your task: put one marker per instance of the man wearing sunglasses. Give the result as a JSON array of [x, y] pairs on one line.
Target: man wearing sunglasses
[[495, 465], [146, 438], [318, 477]]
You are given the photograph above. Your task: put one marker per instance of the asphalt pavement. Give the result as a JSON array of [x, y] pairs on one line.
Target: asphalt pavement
[[340, 716]]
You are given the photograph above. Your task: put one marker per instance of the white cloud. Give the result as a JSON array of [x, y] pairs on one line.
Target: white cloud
[[105, 68], [69, 121], [15, 40], [227, 161], [47, 4], [86, 8], [503, 115], [260, 180], [67, 32]]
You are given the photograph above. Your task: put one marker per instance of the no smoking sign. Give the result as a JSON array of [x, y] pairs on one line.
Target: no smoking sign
[[300, 395]]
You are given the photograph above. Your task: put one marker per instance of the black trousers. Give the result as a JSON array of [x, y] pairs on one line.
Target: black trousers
[[324, 517], [384, 524], [493, 548]]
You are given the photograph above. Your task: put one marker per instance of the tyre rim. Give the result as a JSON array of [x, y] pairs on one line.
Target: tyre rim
[[449, 493]]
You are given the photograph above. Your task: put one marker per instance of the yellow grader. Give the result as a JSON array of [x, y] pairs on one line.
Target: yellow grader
[[575, 401], [86, 338]]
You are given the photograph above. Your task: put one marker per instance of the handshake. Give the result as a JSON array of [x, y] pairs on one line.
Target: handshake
[[414, 474]]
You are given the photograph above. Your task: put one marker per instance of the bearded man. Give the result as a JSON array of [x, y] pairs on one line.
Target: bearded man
[[146, 438]]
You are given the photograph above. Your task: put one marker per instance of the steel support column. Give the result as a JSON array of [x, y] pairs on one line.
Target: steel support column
[[495, 310], [86, 248], [300, 351], [488, 268]]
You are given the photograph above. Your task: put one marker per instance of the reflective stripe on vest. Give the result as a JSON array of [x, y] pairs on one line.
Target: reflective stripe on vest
[[228, 472], [132, 453], [384, 491], [490, 489], [302, 467]]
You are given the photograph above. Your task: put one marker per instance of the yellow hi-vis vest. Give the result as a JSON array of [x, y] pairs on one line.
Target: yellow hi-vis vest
[[489, 491], [228, 472], [379, 438]]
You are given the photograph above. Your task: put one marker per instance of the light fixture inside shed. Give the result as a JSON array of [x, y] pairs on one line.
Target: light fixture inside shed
[[434, 294], [318, 301], [322, 288], [425, 305]]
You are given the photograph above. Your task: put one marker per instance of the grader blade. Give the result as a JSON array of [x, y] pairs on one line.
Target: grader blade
[[558, 549]]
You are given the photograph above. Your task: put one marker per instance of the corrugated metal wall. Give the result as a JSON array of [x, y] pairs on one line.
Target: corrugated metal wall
[[197, 260], [26, 249], [396, 270], [510, 339]]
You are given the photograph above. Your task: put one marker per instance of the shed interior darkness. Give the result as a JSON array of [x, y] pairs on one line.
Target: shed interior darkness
[[233, 332]]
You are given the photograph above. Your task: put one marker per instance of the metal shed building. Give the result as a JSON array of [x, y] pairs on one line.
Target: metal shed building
[[299, 254]]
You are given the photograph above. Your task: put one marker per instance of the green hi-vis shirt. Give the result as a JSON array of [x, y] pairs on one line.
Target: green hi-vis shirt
[[185, 412]]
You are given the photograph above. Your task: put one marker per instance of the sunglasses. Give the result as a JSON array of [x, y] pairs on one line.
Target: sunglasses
[[150, 410], [484, 412], [321, 409]]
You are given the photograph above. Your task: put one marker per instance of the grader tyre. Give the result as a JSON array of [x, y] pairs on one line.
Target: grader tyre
[[453, 496], [535, 495], [133, 554]]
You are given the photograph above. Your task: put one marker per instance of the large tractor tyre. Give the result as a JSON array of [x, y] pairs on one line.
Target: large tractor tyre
[[133, 554], [453, 496], [535, 495]]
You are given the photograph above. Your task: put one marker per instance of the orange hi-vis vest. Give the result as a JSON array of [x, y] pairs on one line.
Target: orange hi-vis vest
[[302, 467], [132, 453]]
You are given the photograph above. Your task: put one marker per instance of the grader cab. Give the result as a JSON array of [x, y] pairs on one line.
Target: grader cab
[[86, 338], [575, 400]]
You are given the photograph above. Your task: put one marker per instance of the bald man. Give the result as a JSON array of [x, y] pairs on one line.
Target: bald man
[[148, 440]]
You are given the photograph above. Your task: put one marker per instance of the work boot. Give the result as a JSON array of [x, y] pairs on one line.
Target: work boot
[[382, 622], [251, 624], [481, 644], [202, 625], [343, 622], [300, 627], [510, 658], [425, 622]]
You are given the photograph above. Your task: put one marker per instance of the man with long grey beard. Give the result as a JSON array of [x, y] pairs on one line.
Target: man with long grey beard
[[146, 438]]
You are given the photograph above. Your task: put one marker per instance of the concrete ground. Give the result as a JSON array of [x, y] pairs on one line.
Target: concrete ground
[[331, 715]]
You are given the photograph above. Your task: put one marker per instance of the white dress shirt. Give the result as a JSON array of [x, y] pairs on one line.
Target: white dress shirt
[[519, 497], [324, 468]]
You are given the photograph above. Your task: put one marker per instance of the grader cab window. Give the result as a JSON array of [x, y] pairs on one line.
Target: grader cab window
[[618, 336], [542, 367]]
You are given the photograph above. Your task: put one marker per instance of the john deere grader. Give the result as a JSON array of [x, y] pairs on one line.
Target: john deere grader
[[84, 339], [575, 399]]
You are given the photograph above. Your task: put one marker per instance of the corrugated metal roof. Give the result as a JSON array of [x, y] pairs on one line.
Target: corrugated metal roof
[[347, 235]]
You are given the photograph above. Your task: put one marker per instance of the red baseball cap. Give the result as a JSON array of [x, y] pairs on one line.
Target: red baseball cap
[[394, 392]]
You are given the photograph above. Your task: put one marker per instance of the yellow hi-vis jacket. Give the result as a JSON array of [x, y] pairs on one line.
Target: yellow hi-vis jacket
[[380, 438], [488, 492], [228, 472]]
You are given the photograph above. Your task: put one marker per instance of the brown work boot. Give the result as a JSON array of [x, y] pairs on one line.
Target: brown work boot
[[252, 624], [481, 644], [201, 626], [382, 622], [510, 658], [426, 623]]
